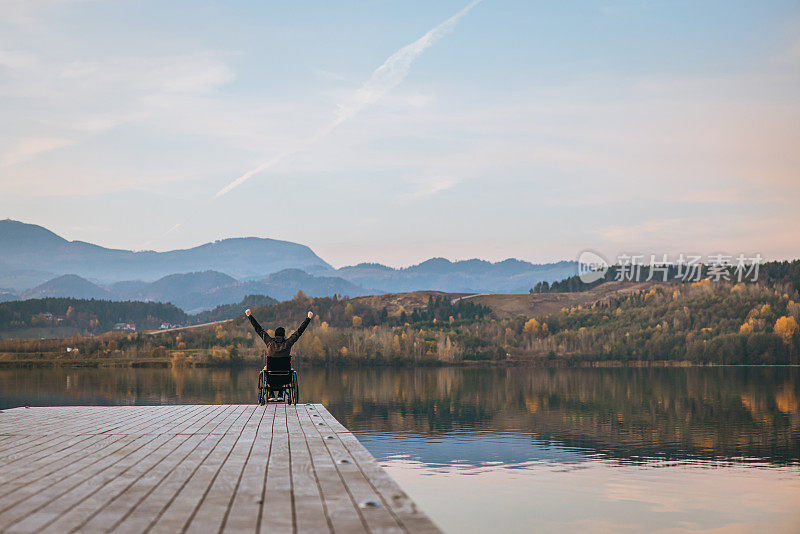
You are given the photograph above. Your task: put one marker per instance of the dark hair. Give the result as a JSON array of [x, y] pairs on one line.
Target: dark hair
[[280, 332]]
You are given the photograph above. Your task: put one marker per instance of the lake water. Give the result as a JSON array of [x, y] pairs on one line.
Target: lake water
[[521, 449]]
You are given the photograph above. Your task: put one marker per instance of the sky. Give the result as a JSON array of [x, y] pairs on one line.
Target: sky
[[395, 131]]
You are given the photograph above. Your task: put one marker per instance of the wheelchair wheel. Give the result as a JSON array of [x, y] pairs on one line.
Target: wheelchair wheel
[[295, 388], [261, 388]]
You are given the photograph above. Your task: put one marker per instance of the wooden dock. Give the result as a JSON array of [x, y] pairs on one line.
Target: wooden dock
[[193, 468]]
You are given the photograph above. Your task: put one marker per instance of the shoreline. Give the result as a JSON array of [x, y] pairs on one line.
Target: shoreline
[[543, 363]]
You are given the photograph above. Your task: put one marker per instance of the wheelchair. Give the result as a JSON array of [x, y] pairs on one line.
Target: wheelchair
[[279, 377]]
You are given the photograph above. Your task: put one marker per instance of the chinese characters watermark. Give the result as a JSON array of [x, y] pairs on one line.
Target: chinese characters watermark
[[685, 267]]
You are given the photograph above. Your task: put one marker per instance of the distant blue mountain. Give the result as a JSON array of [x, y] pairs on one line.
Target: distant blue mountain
[[196, 292], [6, 295], [467, 276], [31, 247], [68, 285], [35, 263], [282, 285], [18, 280]]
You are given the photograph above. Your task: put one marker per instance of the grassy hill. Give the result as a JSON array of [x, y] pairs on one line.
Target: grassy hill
[[502, 305]]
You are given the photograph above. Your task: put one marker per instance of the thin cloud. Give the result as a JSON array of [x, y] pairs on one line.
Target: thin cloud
[[383, 79], [430, 186], [27, 148], [395, 69]]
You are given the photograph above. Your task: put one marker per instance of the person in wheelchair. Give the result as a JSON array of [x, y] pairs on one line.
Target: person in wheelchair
[[278, 349]]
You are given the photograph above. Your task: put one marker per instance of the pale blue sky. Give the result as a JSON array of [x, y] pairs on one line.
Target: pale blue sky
[[531, 129]]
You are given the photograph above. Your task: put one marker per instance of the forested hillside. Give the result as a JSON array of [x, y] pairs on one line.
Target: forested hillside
[[63, 317], [85, 317], [701, 322], [228, 311]]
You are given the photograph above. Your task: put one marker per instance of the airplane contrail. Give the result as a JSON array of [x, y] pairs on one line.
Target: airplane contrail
[[383, 79]]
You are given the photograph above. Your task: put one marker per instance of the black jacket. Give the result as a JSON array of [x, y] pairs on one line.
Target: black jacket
[[279, 346]]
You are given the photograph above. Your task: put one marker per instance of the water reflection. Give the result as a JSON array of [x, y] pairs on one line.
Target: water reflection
[[474, 451], [558, 450], [602, 496], [632, 415]]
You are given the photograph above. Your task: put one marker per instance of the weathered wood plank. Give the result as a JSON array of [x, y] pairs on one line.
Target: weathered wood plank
[[372, 509], [43, 423], [245, 511], [342, 512], [64, 459], [407, 512], [278, 513], [213, 509], [124, 492], [193, 468], [55, 449], [148, 509], [49, 462], [70, 419], [36, 496], [73, 507], [34, 447], [32, 443], [308, 501], [182, 509], [27, 497]]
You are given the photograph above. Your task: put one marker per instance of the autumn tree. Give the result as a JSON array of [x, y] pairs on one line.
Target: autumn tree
[[534, 328], [787, 328]]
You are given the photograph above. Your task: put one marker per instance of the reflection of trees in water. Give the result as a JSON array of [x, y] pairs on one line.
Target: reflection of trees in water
[[126, 386], [719, 412], [705, 412]]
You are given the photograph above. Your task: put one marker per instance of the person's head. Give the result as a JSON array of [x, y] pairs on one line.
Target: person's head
[[280, 332]]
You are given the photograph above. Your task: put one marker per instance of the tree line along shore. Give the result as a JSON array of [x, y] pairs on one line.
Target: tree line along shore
[[671, 323]]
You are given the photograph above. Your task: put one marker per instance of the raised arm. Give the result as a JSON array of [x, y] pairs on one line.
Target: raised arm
[[300, 329], [260, 331]]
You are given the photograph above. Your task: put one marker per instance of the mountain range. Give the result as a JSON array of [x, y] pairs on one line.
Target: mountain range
[[36, 263], [28, 250]]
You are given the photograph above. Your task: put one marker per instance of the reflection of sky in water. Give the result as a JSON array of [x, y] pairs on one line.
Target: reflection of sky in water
[[476, 450], [481, 481], [470, 450]]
